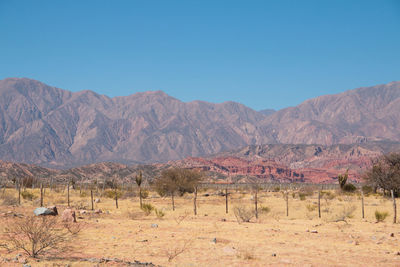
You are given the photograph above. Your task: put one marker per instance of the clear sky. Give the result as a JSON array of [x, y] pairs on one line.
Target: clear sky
[[264, 54]]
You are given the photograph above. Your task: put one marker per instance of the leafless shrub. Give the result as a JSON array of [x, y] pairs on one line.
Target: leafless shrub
[[345, 213], [173, 252], [243, 214], [73, 227], [8, 199], [181, 218], [35, 235]]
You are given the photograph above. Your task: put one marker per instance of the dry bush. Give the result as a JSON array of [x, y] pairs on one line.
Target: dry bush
[[181, 218], [8, 199], [243, 214], [345, 213], [311, 207], [35, 235], [264, 210], [73, 227], [380, 216], [28, 195], [173, 251], [246, 254]]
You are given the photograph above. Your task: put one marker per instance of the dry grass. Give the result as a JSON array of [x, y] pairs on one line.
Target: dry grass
[[291, 239]]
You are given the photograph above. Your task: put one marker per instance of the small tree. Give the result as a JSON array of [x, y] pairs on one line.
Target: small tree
[[177, 181], [385, 173]]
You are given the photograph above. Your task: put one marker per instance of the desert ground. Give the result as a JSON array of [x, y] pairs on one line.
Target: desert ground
[[117, 237]]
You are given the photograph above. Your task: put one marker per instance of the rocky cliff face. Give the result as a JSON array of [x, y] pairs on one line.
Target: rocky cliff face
[[52, 127]]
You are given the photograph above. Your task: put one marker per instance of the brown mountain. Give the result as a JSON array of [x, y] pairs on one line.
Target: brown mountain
[[49, 126], [54, 127], [364, 114]]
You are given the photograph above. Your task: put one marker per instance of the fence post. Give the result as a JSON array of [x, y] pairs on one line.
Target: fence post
[[319, 203], [287, 203], [255, 201], [194, 200], [68, 193], [91, 196], [394, 207], [362, 203], [41, 194], [226, 200]]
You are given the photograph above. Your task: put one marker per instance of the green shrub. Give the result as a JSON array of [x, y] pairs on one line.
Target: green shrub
[[83, 194], [367, 189], [159, 213], [147, 208], [311, 207], [349, 188], [264, 209], [302, 196], [380, 216], [111, 194], [328, 195], [9, 199], [28, 195], [145, 194]]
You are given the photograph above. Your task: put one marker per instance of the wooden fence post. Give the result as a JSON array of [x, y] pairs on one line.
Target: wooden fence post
[[362, 203], [394, 207], [68, 193], [226, 200], [194, 200], [91, 196], [255, 201], [41, 194], [287, 203], [319, 203]]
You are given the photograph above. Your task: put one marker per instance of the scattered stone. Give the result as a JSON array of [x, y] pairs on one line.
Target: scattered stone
[[26, 265], [42, 211], [214, 240], [206, 195], [229, 250], [68, 215], [53, 209], [82, 212], [314, 231], [154, 225], [273, 255], [22, 260], [398, 253], [97, 200], [392, 235], [223, 220]]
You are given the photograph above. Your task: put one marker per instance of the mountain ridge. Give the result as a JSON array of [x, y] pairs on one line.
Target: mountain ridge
[[53, 127]]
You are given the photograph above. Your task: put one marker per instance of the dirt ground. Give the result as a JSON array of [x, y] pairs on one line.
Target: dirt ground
[[214, 238]]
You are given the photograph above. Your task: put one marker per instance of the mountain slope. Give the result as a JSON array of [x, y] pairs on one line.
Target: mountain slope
[[49, 126], [363, 114]]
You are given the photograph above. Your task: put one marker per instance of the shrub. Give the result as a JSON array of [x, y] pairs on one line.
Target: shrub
[[367, 189], [111, 194], [83, 194], [311, 207], [349, 188], [243, 214], [9, 199], [147, 208], [327, 195], [159, 213], [35, 235], [144, 194], [380, 216], [264, 210], [302, 196], [28, 195]]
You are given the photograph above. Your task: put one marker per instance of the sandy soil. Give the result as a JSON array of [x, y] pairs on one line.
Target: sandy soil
[[214, 238]]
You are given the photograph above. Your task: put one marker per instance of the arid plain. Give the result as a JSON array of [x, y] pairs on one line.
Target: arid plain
[[118, 237]]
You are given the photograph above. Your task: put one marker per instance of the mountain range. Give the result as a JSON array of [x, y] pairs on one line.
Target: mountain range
[[52, 127]]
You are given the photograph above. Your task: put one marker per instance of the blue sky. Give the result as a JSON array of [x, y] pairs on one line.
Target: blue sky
[[264, 54]]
